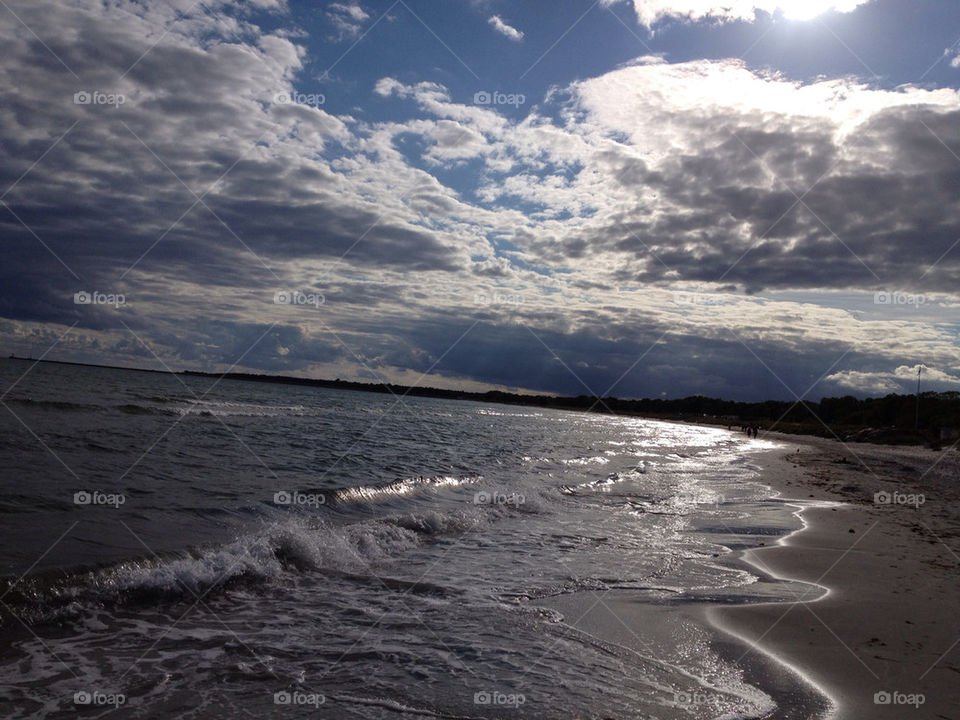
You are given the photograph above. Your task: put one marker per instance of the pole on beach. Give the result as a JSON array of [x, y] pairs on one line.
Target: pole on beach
[[916, 423]]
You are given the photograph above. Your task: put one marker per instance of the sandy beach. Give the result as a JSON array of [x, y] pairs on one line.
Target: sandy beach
[[877, 630], [874, 630]]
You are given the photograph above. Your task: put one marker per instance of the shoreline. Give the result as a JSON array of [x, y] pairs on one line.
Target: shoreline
[[636, 623], [763, 666], [880, 636]]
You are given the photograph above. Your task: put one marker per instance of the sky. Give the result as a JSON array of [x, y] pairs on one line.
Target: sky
[[747, 199]]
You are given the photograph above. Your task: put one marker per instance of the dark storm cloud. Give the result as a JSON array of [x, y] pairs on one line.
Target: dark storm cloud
[[631, 356], [200, 128], [213, 344], [320, 230], [789, 208]]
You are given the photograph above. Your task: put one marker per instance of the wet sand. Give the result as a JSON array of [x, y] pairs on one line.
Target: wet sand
[[878, 628]]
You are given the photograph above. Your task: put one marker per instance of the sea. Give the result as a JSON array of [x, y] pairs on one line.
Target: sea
[[195, 547]]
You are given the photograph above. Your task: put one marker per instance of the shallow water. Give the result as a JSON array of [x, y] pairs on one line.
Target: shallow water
[[269, 549]]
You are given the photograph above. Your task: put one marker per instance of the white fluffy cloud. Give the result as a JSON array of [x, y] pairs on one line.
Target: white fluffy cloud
[[347, 19], [652, 11], [929, 374], [497, 23], [903, 379], [867, 383]]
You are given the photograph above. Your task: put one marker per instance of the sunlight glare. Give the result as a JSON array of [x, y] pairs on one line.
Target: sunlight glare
[[805, 9]]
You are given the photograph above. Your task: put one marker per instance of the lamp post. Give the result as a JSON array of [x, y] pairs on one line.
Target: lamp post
[[916, 424]]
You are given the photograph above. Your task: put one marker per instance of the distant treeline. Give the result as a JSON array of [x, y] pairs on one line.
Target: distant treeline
[[892, 418]]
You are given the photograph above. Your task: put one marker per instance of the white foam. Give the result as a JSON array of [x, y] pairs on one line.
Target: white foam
[[239, 409]]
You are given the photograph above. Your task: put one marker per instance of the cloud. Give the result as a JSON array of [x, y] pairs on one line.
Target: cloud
[[929, 374], [903, 379], [506, 30], [866, 383], [629, 211], [200, 135], [650, 12], [709, 172], [347, 19]]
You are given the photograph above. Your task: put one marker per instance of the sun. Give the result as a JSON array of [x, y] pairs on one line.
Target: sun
[[806, 9]]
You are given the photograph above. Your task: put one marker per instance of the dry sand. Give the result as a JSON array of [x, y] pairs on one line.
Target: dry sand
[[881, 619]]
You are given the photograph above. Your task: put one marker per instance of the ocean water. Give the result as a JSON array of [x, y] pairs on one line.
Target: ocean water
[[182, 547]]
